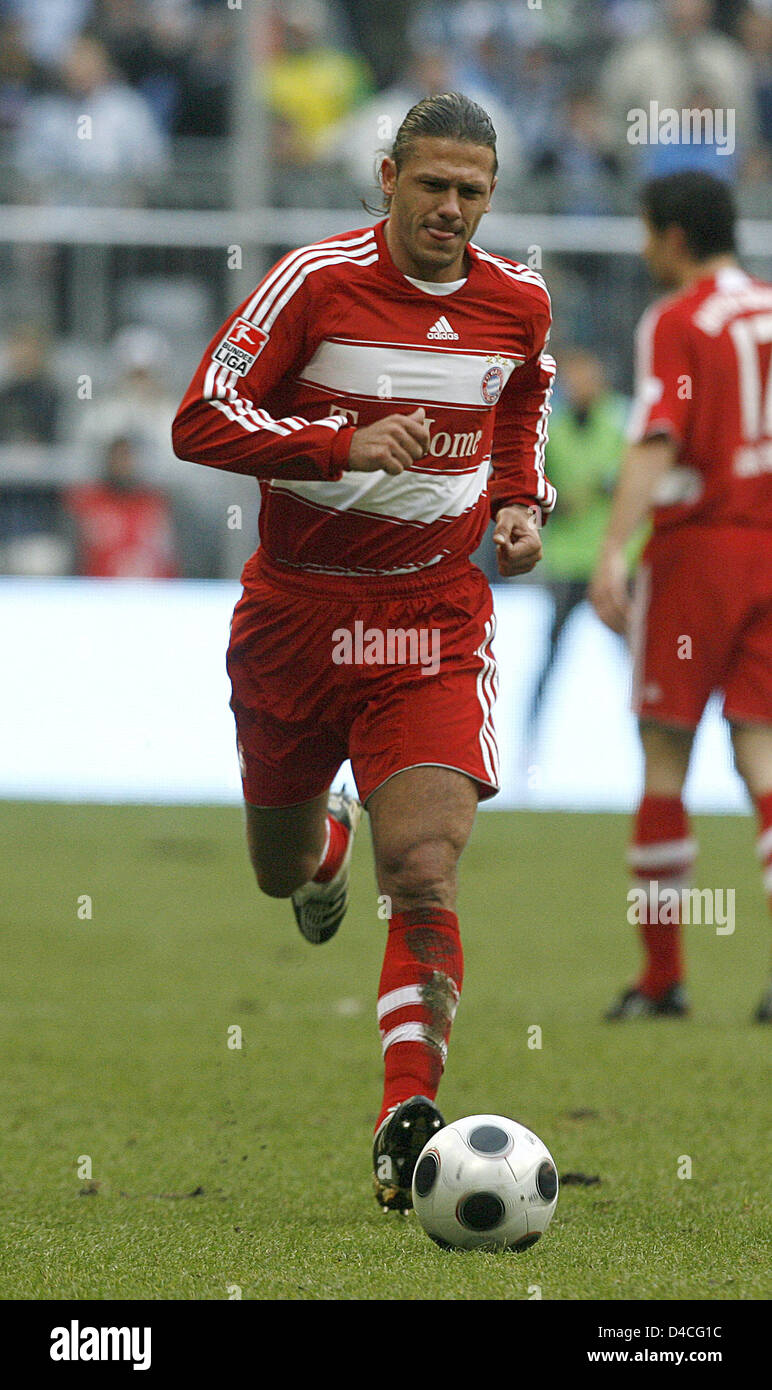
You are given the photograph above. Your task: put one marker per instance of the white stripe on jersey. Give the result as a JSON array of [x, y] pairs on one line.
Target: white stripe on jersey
[[523, 273], [266, 322], [545, 492], [636, 632], [266, 291], [263, 308], [410, 497], [445, 348], [412, 373], [648, 388], [219, 390]]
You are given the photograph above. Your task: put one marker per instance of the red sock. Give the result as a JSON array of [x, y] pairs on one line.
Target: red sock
[[420, 984], [764, 843], [661, 857], [334, 850]]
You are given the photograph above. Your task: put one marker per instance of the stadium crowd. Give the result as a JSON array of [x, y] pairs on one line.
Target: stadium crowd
[[155, 83]]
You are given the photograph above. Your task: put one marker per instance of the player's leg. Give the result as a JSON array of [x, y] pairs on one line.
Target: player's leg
[[421, 820], [423, 751], [286, 844], [304, 852], [752, 745], [291, 742], [679, 651], [661, 857]]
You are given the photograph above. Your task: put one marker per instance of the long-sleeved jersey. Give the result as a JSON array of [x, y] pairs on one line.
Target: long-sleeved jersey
[[704, 377], [336, 337]]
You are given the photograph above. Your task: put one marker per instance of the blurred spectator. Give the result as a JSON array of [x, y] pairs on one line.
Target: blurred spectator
[[206, 78], [148, 47], [29, 396], [683, 62], [49, 27], [91, 139], [581, 159], [358, 144], [754, 30], [507, 54], [121, 528], [379, 30], [139, 404], [308, 84], [586, 442], [20, 76]]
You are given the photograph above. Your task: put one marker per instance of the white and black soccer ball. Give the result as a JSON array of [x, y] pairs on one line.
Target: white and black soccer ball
[[485, 1183]]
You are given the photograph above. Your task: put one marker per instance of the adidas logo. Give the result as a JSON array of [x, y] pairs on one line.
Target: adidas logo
[[441, 329]]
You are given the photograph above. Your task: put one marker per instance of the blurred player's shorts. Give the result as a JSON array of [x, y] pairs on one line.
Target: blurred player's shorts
[[702, 621]]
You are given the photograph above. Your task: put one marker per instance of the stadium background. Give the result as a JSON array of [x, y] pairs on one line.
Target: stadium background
[[224, 133]]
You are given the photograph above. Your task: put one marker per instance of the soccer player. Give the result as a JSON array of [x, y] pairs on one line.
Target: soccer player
[[700, 619], [371, 383]]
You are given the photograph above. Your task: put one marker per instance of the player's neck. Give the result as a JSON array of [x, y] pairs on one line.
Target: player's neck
[[419, 270], [693, 271]]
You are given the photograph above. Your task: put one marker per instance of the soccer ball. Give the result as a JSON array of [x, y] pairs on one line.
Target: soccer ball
[[485, 1183]]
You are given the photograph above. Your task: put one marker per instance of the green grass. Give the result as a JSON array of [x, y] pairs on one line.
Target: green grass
[[214, 1167]]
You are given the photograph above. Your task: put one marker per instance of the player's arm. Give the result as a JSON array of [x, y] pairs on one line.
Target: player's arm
[[521, 495], [658, 423], [644, 467], [222, 421]]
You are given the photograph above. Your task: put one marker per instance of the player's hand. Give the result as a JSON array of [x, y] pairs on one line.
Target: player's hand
[[609, 593], [517, 540], [391, 444]]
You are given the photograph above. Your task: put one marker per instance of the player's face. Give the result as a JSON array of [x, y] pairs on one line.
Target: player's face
[[437, 200], [660, 254]]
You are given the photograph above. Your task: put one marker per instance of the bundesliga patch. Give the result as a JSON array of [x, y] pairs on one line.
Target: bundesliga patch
[[240, 347]]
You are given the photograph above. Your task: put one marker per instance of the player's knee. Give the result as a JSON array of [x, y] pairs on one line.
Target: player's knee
[[281, 880], [420, 875]]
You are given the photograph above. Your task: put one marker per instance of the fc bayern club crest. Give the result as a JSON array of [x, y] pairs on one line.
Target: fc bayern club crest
[[492, 385]]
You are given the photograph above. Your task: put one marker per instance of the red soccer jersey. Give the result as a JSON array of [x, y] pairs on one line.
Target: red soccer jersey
[[336, 337], [704, 377]]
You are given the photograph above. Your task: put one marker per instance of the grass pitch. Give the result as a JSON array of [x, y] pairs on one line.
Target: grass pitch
[[144, 1157]]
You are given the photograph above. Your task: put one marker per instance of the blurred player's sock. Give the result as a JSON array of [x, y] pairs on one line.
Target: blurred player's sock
[[337, 837], [661, 858], [420, 984]]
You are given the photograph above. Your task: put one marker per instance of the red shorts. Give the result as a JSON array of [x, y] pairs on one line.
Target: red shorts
[[702, 622], [399, 676]]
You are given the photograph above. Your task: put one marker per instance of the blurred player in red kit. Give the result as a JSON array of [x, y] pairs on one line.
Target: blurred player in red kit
[[700, 619], [372, 382]]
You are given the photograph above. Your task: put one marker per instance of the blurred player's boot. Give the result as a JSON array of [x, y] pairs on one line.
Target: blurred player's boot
[[763, 1013], [398, 1141], [320, 907], [672, 1003]]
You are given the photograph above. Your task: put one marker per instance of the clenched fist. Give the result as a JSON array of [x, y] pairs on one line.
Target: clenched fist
[[391, 444], [517, 539]]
